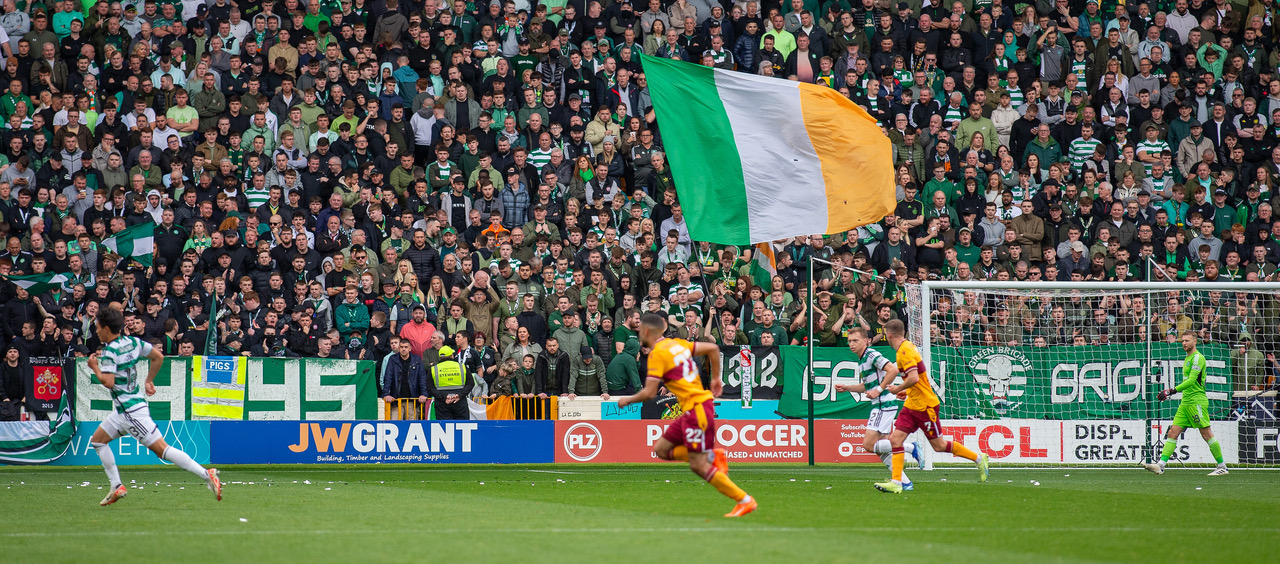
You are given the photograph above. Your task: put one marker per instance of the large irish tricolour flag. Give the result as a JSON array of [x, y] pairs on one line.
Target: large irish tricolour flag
[[758, 159]]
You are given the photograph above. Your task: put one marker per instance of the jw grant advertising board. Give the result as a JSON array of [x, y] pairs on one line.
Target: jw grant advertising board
[[377, 442]]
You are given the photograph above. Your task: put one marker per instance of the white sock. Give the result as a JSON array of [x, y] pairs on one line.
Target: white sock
[[911, 450], [1163, 463], [746, 499], [181, 460], [885, 451], [882, 446], [108, 459]]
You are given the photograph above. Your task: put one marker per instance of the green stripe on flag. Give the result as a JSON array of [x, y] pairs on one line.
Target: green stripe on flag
[[136, 242], [701, 151], [37, 284]]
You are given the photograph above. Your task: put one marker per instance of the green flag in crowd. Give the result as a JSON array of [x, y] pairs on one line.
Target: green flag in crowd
[[38, 442], [36, 284], [137, 242]]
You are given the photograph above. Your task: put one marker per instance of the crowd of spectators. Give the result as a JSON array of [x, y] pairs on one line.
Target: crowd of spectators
[[338, 178]]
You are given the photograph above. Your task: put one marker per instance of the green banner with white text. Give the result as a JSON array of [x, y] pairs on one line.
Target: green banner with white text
[[831, 365], [276, 389], [1066, 383]]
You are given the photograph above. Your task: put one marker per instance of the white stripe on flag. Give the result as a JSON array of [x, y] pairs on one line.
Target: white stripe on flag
[[143, 246], [784, 194], [766, 259], [55, 279]]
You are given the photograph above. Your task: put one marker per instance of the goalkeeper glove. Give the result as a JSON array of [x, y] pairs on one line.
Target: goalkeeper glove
[[1164, 395]]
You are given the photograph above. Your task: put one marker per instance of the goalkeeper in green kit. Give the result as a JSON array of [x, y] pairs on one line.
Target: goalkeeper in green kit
[[1193, 412]]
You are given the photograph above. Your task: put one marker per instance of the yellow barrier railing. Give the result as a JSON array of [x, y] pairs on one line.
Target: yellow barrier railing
[[405, 409], [515, 407], [499, 408]]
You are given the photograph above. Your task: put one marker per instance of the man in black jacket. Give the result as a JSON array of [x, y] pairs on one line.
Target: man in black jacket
[[551, 374], [405, 379], [302, 337], [422, 256], [19, 311], [530, 318], [12, 392]]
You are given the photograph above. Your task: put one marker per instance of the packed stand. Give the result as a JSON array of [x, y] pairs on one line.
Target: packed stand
[[379, 179]]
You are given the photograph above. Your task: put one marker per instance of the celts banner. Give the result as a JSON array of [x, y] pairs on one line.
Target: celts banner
[[43, 379], [1065, 383], [255, 389]]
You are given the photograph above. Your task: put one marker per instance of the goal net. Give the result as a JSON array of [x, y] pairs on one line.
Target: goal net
[[1068, 373]]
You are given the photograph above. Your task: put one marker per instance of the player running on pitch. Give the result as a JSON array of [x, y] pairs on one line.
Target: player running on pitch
[[1193, 412], [691, 436], [920, 411], [118, 367], [878, 374]]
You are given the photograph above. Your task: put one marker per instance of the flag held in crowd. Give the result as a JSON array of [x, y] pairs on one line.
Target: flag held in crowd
[[764, 265], [36, 284], [38, 442], [760, 159], [136, 242]]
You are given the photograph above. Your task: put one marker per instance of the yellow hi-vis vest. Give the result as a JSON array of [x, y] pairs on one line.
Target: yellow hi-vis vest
[[449, 376], [218, 387]]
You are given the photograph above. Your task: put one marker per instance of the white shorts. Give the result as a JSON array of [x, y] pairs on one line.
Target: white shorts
[[136, 423], [881, 420]]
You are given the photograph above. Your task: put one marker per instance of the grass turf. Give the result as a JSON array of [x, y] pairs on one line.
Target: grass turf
[[637, 513]]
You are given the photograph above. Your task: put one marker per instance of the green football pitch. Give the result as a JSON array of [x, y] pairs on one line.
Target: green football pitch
[[637, 513]]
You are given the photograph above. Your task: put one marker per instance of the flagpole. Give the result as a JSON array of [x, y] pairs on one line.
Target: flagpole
[[812, 380], [211, 336]]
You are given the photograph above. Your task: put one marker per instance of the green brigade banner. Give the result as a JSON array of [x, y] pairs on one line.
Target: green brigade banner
[[829, 364], [273, 389], [1068, 383]]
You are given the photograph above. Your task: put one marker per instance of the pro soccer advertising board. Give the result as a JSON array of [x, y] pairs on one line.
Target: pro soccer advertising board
[[744, 440]]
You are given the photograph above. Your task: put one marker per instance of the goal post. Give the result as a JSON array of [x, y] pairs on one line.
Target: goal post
[[1067, 373]]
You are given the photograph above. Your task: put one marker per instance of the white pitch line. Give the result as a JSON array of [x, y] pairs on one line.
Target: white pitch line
[[615, 530], [552, 472]]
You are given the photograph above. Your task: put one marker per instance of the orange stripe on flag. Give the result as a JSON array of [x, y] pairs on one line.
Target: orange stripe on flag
[[856, 156], [767, 256]]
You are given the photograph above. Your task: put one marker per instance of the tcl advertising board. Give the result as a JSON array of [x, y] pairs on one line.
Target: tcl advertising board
[[1105, 441]]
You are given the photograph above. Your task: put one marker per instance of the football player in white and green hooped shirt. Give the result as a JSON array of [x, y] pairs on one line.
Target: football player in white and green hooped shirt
[[877, 374], [118, 367]]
